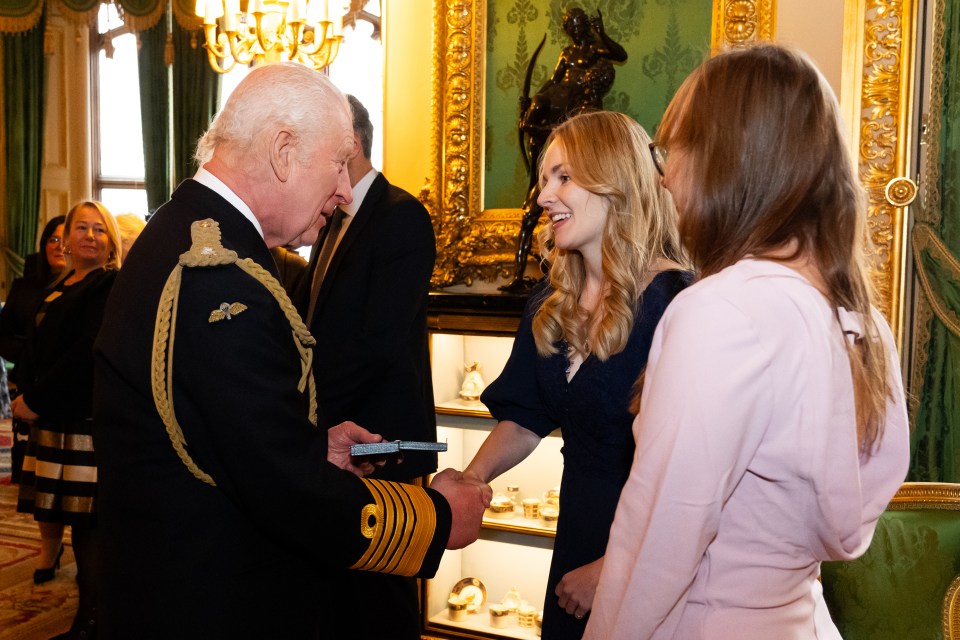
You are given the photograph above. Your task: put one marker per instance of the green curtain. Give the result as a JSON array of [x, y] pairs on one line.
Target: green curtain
[[196, 94], [23, 109], [935, 383], [154, 78], [17, 16]]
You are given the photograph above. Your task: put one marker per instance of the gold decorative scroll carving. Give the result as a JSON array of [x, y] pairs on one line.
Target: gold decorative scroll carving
[[454, 199], [475, 244], [740, 22], [885, 41]]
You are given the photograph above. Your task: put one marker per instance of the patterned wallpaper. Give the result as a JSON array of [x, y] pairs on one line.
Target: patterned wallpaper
[[664, 39]]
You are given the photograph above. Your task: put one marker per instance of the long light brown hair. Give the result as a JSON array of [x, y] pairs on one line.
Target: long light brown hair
[[607, 154], [766, 157]]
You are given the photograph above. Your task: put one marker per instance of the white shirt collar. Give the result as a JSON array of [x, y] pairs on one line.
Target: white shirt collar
[[214, 183], [360, 192]]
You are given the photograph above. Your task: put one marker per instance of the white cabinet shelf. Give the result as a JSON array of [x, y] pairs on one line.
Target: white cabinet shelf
[[451, 354], [513, 551]]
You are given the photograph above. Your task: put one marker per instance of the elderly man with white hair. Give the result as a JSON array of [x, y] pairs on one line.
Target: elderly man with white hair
[[222, 504]]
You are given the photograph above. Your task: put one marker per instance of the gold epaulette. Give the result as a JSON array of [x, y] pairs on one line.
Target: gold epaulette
[[207, 250], [400, 525]]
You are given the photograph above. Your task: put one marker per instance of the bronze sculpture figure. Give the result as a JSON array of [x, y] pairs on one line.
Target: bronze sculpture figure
[[582, 77]]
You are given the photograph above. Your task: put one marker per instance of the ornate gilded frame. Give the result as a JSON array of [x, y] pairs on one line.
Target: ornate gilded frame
[[926, 495], [943, 496], [477, 245], [880, 39], [951, 611]]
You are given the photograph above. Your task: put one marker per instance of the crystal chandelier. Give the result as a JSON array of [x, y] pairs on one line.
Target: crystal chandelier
[[264, 31]]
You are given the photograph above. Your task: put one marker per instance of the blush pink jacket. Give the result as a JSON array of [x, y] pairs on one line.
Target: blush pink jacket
[[747, 472]]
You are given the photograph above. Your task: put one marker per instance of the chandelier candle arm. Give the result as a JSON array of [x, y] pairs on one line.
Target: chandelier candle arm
[[305, 31]]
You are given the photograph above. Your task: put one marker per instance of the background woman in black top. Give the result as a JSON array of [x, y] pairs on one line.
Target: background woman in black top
[[60, 475], [39, 272]]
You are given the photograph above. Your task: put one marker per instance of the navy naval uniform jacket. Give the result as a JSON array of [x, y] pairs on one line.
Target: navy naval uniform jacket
[[250, 556]]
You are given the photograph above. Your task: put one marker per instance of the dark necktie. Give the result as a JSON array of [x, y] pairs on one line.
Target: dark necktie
[[323, 260]]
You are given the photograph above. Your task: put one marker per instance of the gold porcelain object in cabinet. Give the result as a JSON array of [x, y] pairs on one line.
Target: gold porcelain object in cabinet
[[501, 506], [456, 608], [531, 508], [526, 615], [552, 497], [499, 616], [472, 592], [549, 516]]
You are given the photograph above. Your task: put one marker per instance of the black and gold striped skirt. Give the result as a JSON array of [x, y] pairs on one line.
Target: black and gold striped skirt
[[59, 479]]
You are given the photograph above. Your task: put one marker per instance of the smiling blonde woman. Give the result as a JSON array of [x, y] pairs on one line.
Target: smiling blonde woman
[[614, 266], [60, 474]]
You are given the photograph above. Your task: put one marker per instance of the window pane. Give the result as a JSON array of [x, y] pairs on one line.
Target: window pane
[[120, 201], [121, 140], [358, 70], [108, 18]]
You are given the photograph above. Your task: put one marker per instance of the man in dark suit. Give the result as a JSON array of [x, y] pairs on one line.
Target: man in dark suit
[[224, 509], [365, 301]]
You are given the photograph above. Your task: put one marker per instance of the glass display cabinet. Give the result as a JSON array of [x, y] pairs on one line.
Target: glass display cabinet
[[495, 587]]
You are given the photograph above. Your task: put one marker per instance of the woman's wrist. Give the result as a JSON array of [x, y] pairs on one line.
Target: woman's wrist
[[472, 474]]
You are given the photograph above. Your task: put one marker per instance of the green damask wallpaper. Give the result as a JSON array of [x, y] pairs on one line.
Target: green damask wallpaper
[[664, 39]]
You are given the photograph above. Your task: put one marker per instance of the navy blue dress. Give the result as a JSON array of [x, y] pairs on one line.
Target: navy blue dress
[[593, 414]]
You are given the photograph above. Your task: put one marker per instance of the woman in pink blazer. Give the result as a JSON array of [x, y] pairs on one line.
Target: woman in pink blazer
[[772, 429]]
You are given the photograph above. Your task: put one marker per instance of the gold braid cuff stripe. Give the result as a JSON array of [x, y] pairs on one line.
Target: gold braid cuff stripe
[[207, 251], [400, 525]]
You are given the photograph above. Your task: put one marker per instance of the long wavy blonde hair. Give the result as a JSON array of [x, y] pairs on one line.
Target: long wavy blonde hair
[[607, 154], [763, 144]]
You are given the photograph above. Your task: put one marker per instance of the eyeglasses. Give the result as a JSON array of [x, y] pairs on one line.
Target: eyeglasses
[[659, 155], [54, 240]]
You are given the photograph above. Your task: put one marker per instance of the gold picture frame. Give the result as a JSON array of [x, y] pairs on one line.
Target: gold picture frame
[[475, 244], [879, 74]]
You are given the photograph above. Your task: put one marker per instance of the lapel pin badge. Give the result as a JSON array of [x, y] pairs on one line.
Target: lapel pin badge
[[226, 311]]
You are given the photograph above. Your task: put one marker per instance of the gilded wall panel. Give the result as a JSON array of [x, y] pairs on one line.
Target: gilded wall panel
[[481, 47], [886, 41]]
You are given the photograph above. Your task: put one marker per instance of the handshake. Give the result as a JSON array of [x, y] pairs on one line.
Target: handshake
[[468, 496]]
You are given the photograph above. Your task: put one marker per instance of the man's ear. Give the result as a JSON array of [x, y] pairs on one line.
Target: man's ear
[[283, 149], [357, 147]]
